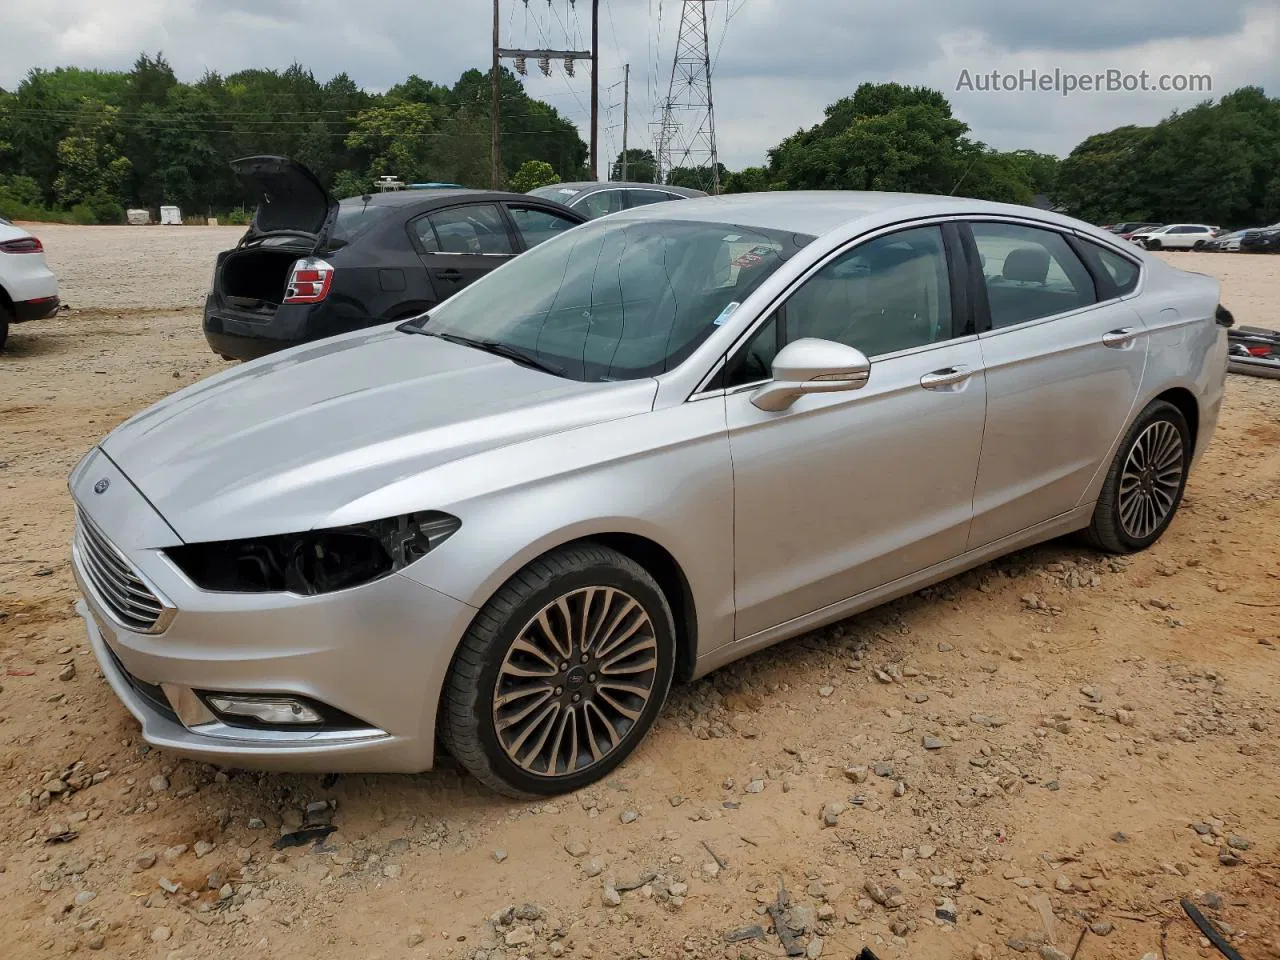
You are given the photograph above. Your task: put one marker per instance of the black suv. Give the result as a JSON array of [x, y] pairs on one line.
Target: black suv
[[310, 266]]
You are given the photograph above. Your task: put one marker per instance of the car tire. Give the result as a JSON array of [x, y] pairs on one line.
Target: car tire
[[1153, 244], [1144, 485], [1199, 245], [4, 325], [525, 752]]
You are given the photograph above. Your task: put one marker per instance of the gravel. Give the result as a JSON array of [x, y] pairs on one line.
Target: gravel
[[100, 266]]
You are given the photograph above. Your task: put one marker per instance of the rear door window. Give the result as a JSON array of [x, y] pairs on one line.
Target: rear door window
[[1030, 273], [642, 198], [600, 204], [1118, 273], [476, 228], [536, 225]]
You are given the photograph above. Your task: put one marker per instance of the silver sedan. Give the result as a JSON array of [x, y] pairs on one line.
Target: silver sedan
[[646, 448]]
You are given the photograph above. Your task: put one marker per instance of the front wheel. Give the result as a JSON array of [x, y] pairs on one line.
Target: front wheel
[[561, 674], [1153, 244], [1145, 483]]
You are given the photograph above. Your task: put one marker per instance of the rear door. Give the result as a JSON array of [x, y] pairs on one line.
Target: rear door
[[461, 243], [1064, 353]]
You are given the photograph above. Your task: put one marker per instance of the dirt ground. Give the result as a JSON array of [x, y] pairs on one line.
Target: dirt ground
[[1054, 743]]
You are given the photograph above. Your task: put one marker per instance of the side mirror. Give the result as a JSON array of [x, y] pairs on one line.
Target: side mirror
[[812, 366]]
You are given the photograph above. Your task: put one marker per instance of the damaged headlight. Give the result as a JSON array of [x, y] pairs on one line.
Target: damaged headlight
[[319, 561]]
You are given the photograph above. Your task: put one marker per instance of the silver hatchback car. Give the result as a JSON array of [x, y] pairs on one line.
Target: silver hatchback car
[[644, 449]]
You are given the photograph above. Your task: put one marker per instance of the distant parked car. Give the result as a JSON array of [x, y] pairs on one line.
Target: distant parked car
[[28, 288], [1262, 240], [1176, 236], [1132, 228], [1225, 243], [1129, 227], [311, 266], [599, 199]]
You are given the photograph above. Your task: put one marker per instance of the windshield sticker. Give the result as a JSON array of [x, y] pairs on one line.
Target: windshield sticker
[[725, 314], [732, 237], [567, 192], [753, 257]]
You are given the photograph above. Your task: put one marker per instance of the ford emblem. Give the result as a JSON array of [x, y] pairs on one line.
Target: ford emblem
[[101, 485]]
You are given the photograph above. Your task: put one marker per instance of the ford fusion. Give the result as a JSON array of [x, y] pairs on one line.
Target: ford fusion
[[645, 448]]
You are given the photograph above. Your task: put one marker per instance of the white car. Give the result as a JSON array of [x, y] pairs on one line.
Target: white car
[[1176, 236], [28, 288]]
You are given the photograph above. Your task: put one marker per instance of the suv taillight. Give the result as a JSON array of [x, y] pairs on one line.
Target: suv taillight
[[22, 245], [309, 282]]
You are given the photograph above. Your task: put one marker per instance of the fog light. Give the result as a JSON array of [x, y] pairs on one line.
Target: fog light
[[271, 710]]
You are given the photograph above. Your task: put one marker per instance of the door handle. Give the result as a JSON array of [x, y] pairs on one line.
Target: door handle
[[947, 377], [451, 275], [1121, 337]]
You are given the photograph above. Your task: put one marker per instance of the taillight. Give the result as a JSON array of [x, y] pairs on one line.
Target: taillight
[[1262, 351], [309, 282], [22, 245]]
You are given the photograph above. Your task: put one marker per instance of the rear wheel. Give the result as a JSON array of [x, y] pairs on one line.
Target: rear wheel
[[1199, 244], [5, 316], [1145, 483], [561, 674]]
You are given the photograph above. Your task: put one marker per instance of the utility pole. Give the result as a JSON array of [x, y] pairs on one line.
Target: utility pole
[[495, 150], [626, 104], [595, 89], [544, 57]]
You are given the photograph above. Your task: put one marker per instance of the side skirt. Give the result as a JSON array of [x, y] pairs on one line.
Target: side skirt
[[1076, 519]]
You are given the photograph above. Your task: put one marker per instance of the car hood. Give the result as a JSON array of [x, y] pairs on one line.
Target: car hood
[[291, 199], [280, 444]]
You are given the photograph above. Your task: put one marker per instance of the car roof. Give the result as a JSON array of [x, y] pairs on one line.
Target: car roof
[[594, 186], [817, 212], [426, 198]]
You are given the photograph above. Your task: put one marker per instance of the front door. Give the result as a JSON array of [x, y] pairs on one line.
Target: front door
[[459, 245], [844, 492], [1064, 357]]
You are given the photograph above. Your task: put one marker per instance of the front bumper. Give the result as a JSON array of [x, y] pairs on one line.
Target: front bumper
[[378, 653]]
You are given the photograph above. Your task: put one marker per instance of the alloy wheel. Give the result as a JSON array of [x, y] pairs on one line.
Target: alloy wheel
[[575, 681], [1151, 479]]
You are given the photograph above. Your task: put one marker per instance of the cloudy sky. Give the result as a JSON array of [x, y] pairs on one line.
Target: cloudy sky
[[778, 63]]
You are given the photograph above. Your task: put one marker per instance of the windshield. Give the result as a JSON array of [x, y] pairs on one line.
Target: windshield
[[616, 300]]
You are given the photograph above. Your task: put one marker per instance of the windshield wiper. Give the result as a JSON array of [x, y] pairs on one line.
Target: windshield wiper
[[499, 349]]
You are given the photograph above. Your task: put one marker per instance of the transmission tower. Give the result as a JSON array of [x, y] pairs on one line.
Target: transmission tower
[[686, 135]]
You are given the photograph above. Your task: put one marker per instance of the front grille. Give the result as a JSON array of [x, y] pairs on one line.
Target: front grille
[[129, 599]]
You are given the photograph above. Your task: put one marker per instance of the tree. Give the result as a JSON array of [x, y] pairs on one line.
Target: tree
[[90, 163], [395, 136], [533, 174], [696, 178], [1214, 163], [1100, 180], [642, 166], [892, 137], [750, 180]]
